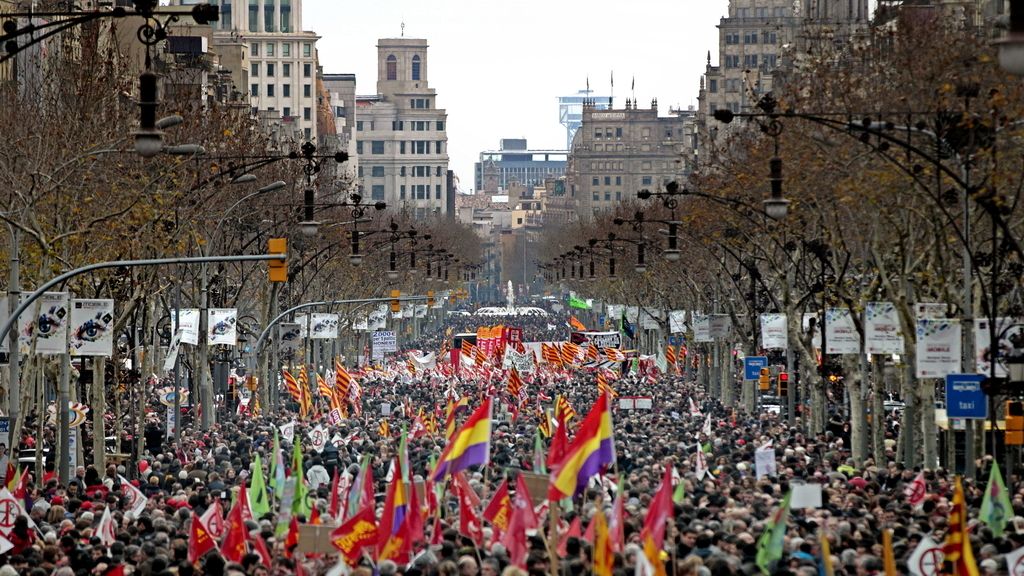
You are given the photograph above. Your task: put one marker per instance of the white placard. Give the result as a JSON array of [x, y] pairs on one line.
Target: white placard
[[170, 422], [764, 461], [719, 325], [288, 431], [91, 327], [385, 341], [72, 448], [51, 323], [938, 348], [189, 325], [805, 496], [982, 339], [840, 332], [385, 408], [882, 333], [222, 326], [677, 321], [649, 319], [643, 403], [774, 335], [324, 326], [702, 328], [318, 438]]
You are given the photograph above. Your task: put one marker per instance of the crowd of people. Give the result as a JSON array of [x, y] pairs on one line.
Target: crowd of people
[[91, 524]]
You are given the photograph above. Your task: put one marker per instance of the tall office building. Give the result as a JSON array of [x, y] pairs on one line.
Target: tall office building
[[401, 134], [618, 152], [570, 110], [282, 61]]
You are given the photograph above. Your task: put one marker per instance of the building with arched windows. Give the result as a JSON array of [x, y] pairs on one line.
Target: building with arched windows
[[400, 133]]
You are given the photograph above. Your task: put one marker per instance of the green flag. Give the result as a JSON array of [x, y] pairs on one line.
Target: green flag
[[769, 545], [403, 454], [678, 494], [538, 454], [996, 508], [578, 303], [300, 507], [258, 501]]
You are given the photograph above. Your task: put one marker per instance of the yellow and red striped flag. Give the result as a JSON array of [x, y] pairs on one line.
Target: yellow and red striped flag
[[603, 387], [563, 410], [670, 355]]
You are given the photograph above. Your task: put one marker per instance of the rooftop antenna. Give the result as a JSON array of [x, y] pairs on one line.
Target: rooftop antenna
[[403, 27]]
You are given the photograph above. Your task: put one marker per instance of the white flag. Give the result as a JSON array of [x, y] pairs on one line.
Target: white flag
[[1015, 560], [288, 431], [136, 499], [700, 466], [926, 559], [105, 529]]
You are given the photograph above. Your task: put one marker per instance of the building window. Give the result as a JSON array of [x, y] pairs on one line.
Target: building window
[[437, 147], [270, 90], [377, 192], [401, 170], [401, 192], [618, 180], [307, 90], [286, 111], [339, 111], [596, 197], [607, 180], [286, 70], [254, 69], [254, 90], [437, 192], [438, 172], [607, 196], [397, 125], [618, 133], [360, 171], [732, 60], [598, 133], [270, 69], [359, 125], [440, 126], [618, 196], [732, 37], [307, 70], [254, 49], [750, 60], [377, 147], [596, 181], [286, 48], [359, 150], [286, 16], [392, 67], [415, 67], [401, 147], [268, 17], [645, 181], [286, 90], [713, 85], [270, 48], [307, 133], [750, 37], [254, 16], [307, 50], [307, 113], [377, 171]]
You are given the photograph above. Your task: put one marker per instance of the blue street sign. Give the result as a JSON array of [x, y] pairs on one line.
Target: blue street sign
[[964, 398], [752, 366], [676, 340]]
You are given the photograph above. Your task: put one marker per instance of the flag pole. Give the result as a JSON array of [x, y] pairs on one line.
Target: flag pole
[[552, 543]]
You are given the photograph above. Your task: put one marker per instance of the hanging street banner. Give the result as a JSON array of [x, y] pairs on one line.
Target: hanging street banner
[[719, 325], [289, 334], [702, 328], [677, 321], [189, 325], [222, 326], [982, 343], [51, 323], [421, 311], [938, 347], [774, 335], [805, 325], [377, 319], [840, 332], [172, 352], [882, 334], [90, 329], [324, 326]]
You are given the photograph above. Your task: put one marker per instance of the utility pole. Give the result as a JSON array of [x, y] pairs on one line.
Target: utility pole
[[14, 390]]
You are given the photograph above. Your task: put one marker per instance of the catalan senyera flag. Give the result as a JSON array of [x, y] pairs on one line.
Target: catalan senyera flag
[[515, 383], [591, 450], [469, 446], [305, 396], [467, 348], [575, 324], [291, 385], [670, 355], [454, 409], [342, 381], [383, 429], [603, 387], [479, 356], [614, 354], [323, 389], [570, 352], [544, 423], [551, 354], [958, 557], [563, 410]]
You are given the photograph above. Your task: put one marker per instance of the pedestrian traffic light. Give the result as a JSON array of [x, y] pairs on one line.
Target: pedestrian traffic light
[[430, 297], [764, 382], [783, 381], [1014, 423], [278, 267], [396, 306]]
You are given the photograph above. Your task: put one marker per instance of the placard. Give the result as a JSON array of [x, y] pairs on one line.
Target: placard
[[91, 327], [189, 318], [774, 335], [765, 463], [385, 341], [840, 332], [719, 325], [324, 326], [51, 323], [882, 333], [222, 326], [805, 496], [938, 348], [702, 328]]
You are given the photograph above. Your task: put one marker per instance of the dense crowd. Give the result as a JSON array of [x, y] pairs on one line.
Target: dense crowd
[[714, 527]]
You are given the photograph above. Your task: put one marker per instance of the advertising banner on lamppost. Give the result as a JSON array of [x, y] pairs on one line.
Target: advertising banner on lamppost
[[323, 326], [774, 335], [719, 325], [51, 323], [983, 349], [189, 318], [91, 328], [289, 334], [840, 332], [378, 319], [222, 326], [677, 321], [702, 328], [882, 334], [938, 347]]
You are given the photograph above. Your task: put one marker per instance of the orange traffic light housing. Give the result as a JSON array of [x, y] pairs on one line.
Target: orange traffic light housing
[[783, 384], [277, 269], [430, 297], [396, 305], [764, 382], [1014, 423]]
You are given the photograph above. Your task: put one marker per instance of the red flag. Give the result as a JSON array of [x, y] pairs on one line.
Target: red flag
[[335, 505], [469, 520], [559, 442], [243, 504], [574, 530], [199, 540], [259, 546], [617, 534], [499, 510], [213, 521], [235, 544], [521, 520], [314, 516], [436, 537], [393, 541], [356, 534], [462, 488], [660, 510], [291, 540], [414, 517]]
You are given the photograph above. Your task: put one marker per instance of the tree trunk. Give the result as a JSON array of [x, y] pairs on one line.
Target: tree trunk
[[929, 429], [878, 414], [99, 407], [858, 414]]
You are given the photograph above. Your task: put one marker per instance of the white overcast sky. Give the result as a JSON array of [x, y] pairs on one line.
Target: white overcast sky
[[499, 66]]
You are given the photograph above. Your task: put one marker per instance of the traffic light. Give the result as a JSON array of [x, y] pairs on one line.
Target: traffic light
[[764, 382], [430, 298], [1014, 423], [783, 381], [278, 267], [396, 306]]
